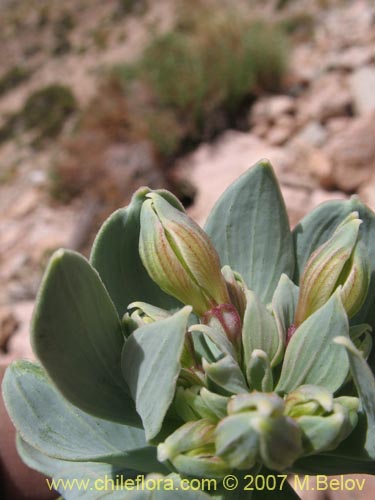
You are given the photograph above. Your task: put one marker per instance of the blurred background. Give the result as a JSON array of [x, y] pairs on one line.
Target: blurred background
[[98, 98]]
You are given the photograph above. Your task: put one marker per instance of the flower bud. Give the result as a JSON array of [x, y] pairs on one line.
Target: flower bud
[[226, 318], [236, 289], [325, 432], [339, 261], [179, 256], [308, 400], [190, 436], [257, 431], [191, 449]]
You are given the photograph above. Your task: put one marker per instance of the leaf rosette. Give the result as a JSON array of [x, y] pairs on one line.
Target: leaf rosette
[[185, 352]]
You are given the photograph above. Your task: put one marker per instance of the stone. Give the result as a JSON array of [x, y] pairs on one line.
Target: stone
[[351, 58], [338, 124], [281, 131], [362, 86], [320, 196], [327, 97], [312, 134], [297, 201], [320, 167], [352, 153], [271, 108], [19, 343]]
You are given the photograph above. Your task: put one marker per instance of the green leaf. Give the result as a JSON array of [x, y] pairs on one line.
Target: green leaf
[[226, 374], [259, 330], [76, 334], [317, 227], [250, 230], [58, 429], [151, 365], [93, 481], [284, 304], [75, 480], [116, 257], [365, 383], [311, 356]]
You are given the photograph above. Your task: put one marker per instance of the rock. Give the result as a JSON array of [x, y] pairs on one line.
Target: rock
[[328, 97], [19, 343], [312, 134], [297, 201], [320, 196], [352, 153], [362, 86], [260, 129], [281, 131], [314, 166], [339, 124], [351, 58], [270, 108]]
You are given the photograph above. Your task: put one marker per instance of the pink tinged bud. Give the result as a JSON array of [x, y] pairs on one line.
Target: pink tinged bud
[[236, 289], [333, 264], [179, 257], [226, 318]]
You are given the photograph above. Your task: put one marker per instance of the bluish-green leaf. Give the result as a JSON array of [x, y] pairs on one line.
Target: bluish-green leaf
[[76, 480], [227, 375], [317, 227], [93, 481], [76, 334], [250, 230], [151, 365], [116, 257], [284, 304], [259, 330], [311, 356], [365, 383], [49, 423]]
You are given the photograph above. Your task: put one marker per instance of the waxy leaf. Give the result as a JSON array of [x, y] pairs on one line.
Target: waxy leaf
[[226, 374], [151, 365], [93, 481], [76, 480], [259, 330], [284, 303], [42, 417], [311, 356], [365, 383], [115, 255], [250, 230], [76, 334]]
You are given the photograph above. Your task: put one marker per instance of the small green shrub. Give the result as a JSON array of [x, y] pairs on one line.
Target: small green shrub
[[47, 109], [13, 77], [204, 67], [44, 113]]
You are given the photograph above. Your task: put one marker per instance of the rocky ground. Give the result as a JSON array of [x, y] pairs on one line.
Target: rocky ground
[[319, 134]]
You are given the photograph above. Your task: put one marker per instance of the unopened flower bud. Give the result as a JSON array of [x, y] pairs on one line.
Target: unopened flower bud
[[257, 431], [179, 256], [226, 318], [236, 289], [308, 400], [192, 435], [191, 449], [339, 261]]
